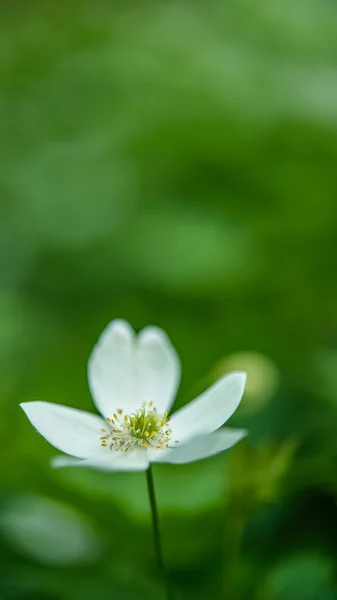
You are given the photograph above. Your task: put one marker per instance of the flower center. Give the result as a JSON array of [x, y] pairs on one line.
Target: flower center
[[144, 427]]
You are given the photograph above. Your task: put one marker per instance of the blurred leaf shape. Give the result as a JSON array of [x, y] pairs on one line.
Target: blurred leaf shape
[[49, 531], [262, 377], [189, 250], [257, 473], [302, 577]]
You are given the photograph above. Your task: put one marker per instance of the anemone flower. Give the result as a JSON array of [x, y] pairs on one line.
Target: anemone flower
[[133, 380]]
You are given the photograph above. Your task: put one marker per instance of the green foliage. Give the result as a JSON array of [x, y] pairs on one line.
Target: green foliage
[[48, 531], [171, 163], [301, 577]]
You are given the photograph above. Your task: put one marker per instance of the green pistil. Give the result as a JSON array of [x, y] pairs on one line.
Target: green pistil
[[144, 425]]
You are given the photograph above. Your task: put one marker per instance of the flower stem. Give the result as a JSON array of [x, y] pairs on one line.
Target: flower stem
[[156, 532]]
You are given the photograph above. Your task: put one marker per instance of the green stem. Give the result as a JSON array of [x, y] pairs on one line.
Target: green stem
[[156, 532]]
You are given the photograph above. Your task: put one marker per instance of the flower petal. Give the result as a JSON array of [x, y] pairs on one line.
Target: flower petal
[[125, 370], [62, 460], [158, 368], [210, 410], [135, 460], [108, 461], [111, 368], [200, 447], [72, 431]]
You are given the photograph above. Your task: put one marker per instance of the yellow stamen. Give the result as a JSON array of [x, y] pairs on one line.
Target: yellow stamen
[[145, 427]]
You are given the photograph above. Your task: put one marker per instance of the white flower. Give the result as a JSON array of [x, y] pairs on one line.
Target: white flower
[[133, 380]]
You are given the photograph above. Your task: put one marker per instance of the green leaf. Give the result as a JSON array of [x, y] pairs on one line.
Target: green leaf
[[49, 531]]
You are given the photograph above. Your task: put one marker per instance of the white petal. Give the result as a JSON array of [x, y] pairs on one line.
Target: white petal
[[62, 460], [135, 460], [210, 410], [108, 461], [200, 447], [124, 370], [72, 431], [158, 368], [111, 369]]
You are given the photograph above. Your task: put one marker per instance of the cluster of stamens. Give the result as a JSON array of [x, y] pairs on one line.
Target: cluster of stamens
[[144, 427]]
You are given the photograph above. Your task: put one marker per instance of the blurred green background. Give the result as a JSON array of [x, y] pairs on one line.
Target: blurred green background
[[172, 163]]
